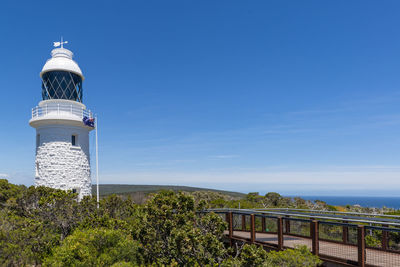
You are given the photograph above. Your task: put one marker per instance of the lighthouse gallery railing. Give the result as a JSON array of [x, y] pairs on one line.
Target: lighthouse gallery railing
[[60, 109]]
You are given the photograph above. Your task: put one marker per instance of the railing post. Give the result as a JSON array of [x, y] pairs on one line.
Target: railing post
[[345, 233], [384, 238], [263, 224], [243, 222], [252, 228], [361, 245], [58, 108], [287, 225], [280, 233], [230, 227], [314, 237]]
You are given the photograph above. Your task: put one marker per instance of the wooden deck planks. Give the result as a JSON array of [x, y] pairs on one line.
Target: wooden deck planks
[[342, 251]]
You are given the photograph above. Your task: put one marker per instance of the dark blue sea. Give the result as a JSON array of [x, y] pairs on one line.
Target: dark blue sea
[[376, 202]]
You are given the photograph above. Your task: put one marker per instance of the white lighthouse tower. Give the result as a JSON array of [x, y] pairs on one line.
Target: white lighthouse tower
[[62, 125]]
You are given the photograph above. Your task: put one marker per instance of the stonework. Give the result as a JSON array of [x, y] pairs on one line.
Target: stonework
[[59, 164]]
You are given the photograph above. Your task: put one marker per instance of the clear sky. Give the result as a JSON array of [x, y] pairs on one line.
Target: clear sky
[[299, 97]]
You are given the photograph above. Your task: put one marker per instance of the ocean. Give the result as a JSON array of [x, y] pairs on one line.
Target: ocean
[[376, 202]]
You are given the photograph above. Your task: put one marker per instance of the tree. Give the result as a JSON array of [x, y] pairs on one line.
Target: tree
[[57, 209], [273, 199], [171, 232], [24, 241], [9, 191], [253, 196], [96, 247]]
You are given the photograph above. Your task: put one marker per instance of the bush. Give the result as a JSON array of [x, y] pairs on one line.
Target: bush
[[371, 241], [253, 255], [298, 257], [96, 247]]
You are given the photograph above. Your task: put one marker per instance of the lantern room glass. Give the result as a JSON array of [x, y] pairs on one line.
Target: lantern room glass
[[61, 85]]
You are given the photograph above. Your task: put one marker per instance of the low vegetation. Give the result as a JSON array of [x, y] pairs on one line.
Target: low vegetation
[[47, 227]]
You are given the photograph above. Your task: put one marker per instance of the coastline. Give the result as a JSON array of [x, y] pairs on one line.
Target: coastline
[[363, 201]]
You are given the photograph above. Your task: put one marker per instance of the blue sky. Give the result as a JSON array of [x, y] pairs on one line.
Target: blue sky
[[299, 97]]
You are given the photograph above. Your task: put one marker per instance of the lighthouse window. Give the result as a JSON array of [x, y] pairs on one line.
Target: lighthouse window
[[61, 85], [73, 140], [76, 190]]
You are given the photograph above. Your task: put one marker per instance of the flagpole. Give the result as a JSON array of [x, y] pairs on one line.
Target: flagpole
[[97, 165]]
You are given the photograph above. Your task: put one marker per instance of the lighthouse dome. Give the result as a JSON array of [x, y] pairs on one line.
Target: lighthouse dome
[[61, 60], [61, 77]]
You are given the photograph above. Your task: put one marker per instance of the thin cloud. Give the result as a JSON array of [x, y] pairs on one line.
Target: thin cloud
[[350, 106], [367, 178]]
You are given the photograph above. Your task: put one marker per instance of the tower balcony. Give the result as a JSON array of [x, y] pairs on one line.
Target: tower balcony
[[59, 111]]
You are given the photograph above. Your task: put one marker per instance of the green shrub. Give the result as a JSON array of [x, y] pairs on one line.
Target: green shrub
[[371, 241], [298, 257], [96, 247], [253, 255]]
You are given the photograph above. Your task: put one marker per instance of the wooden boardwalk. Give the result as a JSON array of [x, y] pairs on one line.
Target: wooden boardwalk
[[327, 250], [346, 234]]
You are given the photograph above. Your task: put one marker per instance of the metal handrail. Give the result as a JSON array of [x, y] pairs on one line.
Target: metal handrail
[[340, 224], [334, 212], [40, 111], [387, 229], [282, 214]]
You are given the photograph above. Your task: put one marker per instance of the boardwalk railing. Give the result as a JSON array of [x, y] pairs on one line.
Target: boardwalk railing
[[360, 241]]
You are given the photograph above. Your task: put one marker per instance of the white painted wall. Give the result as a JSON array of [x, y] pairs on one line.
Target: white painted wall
[[59, 164]]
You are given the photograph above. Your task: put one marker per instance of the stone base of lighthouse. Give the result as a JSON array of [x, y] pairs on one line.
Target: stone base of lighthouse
[[60, 163]]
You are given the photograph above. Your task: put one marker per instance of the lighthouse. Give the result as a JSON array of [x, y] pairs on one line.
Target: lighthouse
[[62, 125]]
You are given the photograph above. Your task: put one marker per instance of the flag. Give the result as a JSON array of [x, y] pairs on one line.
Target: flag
[[88, 122]]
